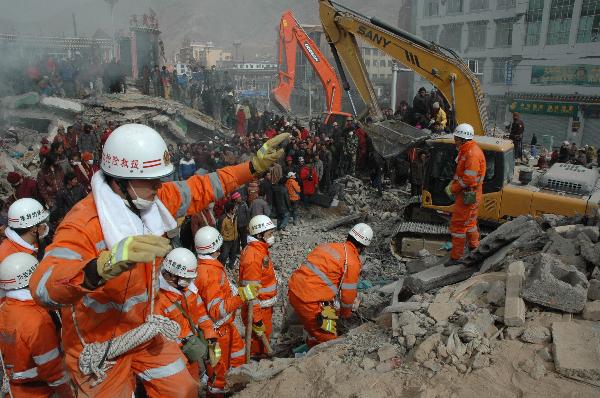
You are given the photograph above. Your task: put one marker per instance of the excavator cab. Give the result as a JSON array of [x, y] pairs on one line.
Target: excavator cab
[[440, 168]]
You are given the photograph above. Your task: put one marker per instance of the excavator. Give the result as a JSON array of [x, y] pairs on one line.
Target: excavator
[[564, 189], [291, 35]]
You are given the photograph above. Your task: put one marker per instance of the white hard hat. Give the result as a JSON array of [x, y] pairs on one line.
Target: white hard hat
[[291, 174], [135, 151], [181, 262], [25, 213], [259, 224], [207, 240], [436, 105], [16, 270], [464, 130], [362, 233]]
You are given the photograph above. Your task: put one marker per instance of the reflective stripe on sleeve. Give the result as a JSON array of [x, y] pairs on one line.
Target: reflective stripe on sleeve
[[186, 198], [204, 319], [163, 371], [322, 276], [349, 286], [100, 308], [344, 305], [471, 173], [26, 374], [268, 289], [42, 292], [170, 309], [46, 357], [239, 353], [216, 185], [249, 282], [100, 245], [64, 254], [213, 302]]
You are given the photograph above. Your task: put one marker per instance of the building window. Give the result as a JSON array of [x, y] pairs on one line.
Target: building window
[[503, 4], [499, 70], [455, 6], [477, 34], [451, 36], [504, 29], [476, 5], [390, 63], [559, 26], [429, 33], [480, 69], [367, 62], [589, 22], [367, 51], [432, 8], [533, 18]]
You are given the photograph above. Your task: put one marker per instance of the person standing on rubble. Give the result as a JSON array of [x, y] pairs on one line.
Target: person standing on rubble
[[30, 345], [466, 189], [100, 267], [256, 267], [221, 304], [179, 301], [328, 277], [517, 130]]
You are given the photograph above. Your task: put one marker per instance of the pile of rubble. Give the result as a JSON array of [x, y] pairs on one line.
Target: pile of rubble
[[527, 301]]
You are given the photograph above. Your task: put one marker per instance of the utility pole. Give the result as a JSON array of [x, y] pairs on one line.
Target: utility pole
[[74, 26]]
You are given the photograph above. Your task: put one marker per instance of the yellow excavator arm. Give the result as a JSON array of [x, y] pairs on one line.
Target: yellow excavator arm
[[442, 67]]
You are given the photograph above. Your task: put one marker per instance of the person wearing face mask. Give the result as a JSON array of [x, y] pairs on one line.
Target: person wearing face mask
[[222, 303], [324, 287], [27, 228], [178, 300], [256, 267], [100, 265]]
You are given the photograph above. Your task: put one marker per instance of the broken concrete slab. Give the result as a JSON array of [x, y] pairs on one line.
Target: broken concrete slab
[[514, 306], [435, 277], [20, 101], [403, 306], [555, 285], [62, 104], [591, 252], [476, 325], [496, 294], [422, 352], [408, 318], [386, 352], [559, 245], [595, 273], [421, 264], [351, 219], [441, 311], [576, 351], [591, 311], [536, 335]]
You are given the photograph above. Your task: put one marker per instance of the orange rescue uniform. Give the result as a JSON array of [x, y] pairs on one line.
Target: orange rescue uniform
[[123, 302], [31, 350], [256, 268], [469, 176], [221, 304], [193, 305], [293, 189], [321, 280], [8, 247]]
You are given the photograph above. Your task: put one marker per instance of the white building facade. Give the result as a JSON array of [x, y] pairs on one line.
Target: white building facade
[[538, 57]]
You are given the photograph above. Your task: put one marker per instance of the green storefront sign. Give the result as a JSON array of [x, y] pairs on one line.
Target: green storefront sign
[[544, 108], [579, 75]]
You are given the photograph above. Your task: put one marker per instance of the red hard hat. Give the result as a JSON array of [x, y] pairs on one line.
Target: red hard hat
[[289, 158], [13, 177]]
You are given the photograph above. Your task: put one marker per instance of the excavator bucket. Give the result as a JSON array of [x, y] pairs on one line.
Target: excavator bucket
[[281, 99], [392, 137]]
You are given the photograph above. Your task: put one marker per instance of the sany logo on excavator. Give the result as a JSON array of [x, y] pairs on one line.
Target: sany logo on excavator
[[311, 51], [374, 37]]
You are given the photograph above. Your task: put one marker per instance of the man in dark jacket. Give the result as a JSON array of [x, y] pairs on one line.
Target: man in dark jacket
[[421, 102], [68, 197], [243, 218], [517, 128], [417, 168], [281, 207]]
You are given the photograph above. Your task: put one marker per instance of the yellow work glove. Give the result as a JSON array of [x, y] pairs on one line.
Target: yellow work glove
[[328, 312], [269, 153], [129, 251], [214, 352], [248, 292], [448, 191], [258, 328]]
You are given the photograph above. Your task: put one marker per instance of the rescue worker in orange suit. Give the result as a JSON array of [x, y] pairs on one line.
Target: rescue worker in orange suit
[[328, 276], [179, 300], [101, 264], [466, 189], [27, 227], [221, 304], [28, 339], [256, 268]]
